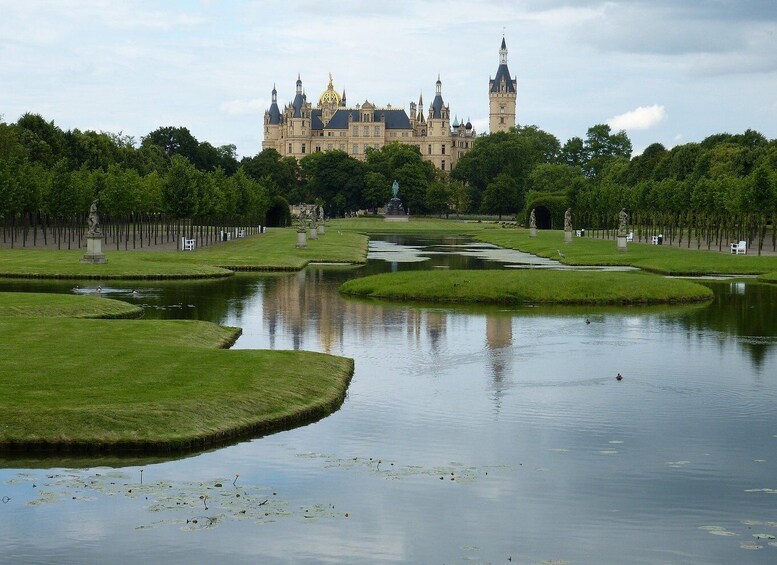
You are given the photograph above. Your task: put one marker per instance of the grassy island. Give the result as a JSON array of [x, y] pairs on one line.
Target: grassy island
[[30, 304], [93, 386], [528, 286]]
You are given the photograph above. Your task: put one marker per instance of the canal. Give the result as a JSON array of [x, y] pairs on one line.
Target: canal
[[469, 434]]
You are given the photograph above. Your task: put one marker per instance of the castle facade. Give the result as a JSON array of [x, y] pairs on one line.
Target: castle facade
[[301, 129]]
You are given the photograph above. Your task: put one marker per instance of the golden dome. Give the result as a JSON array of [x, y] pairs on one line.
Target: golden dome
[[329, 96]]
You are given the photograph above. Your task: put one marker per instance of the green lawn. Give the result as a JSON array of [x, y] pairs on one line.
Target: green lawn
[[273, 250], [420, 225], [663, 259], [517, 286]]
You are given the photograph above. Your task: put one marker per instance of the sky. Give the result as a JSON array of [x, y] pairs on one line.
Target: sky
[[667, 71]]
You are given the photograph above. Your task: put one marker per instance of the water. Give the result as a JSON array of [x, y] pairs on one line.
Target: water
[[469, 435]]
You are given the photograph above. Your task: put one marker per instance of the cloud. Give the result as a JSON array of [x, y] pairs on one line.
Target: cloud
[[255, 106], [644, 117]]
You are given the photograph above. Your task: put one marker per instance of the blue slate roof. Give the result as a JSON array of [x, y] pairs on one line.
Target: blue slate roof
[[297, 105], [275, 114], [315, 120], [437, 105], [502, 72], [395, 119]]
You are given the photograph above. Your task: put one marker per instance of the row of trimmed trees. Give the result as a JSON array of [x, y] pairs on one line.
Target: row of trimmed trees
[[704, 194], [49, 178]]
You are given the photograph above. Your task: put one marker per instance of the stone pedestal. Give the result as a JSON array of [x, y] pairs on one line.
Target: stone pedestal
[[320, 229], [94, 249], [395, 212], [567, 236], [621, 242], [313, 232], [532, 232], [302, 240]]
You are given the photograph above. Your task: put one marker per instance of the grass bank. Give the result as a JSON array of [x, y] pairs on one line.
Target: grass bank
[[662, 259], [92, 386], [31, 304], [272, 251], [528, 286], [769, 277]]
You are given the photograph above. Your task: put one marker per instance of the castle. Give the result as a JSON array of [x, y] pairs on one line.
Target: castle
[[301, 129]]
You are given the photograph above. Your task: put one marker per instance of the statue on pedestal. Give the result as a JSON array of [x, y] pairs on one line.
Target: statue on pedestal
[[394, 209], [568, 220], [623, 219], [532, 219], [93, 226]]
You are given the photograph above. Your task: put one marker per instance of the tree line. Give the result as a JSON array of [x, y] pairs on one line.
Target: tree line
[[719, 189]]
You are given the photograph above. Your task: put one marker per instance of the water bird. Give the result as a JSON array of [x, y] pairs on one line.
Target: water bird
[[587, 321], [619, 377], [99, 289], [560, 253]]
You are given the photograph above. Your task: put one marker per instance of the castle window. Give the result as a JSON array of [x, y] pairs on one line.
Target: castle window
[[355, 147], [501, 109], [442, 165], [329, 146], [430, 149], [290, 151], [366, 131], [303, 148], [443, 150], [377, 130], [501, 120], [342, 147], [318, 149], [356, 131]]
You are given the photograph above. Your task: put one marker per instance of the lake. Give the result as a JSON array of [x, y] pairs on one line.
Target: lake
[[469, 434]]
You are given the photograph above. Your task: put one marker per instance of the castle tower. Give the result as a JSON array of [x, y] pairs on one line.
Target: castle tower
[[272, 123], [502, 95]]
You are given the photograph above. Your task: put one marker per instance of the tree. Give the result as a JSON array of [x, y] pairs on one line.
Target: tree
[[460, 199], [573, 153], [438, 197], [502, 197], [601, 146], [553, 177], [336, 178], [280, 173], [515, 153], [44, 141], [760, 201], [175, 141], [377, 190], [403, 163], [180, 188]]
